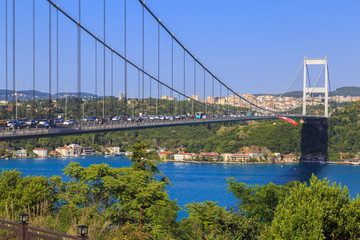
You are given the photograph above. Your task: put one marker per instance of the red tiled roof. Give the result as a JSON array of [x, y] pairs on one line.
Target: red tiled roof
[[210, 154], [39, 149], [165, 152]]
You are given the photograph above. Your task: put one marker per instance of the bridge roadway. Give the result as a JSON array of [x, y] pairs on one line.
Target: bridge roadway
[[94, 127]]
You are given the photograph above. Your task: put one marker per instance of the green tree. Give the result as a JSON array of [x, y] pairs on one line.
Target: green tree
[[259, 202], [209, 221], [18, 193], [135, 194], [317, 211]]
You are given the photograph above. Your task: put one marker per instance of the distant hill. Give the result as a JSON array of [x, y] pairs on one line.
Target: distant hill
[[343, 91], [28, 95], [347, 91]]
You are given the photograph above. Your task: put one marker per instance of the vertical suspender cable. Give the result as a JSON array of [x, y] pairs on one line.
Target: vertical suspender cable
[[172, 72], [96, 95], [50, 54], [184, 109], [150, 95], [143, 54], [79, 54], [213, 97], [125, 65], [205, 106], [14, 87], [220, 93], [227, 101], [112, 74], [104, 65], [139, 85], [6, 48], [50, 58], [158, 87], [57, 55], [193, 108], [33, 53]]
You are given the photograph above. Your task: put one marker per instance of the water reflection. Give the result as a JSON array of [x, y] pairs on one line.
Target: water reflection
[[301, 172]]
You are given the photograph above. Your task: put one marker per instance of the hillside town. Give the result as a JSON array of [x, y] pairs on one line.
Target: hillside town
[[281, 103]]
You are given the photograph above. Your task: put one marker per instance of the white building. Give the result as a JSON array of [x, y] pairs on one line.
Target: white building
[[183, 156], [41, 152], [114, 150], [21, 153], [65, 151], [76, 148]]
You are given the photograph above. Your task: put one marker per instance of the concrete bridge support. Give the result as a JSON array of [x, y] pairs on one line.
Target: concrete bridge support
[[314, 137]]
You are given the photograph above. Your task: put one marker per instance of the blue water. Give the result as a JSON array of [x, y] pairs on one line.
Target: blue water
[[196, 182]]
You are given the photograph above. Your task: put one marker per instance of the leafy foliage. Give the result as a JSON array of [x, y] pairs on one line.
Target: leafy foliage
[[317, 211], [259, 202], [344, 131]]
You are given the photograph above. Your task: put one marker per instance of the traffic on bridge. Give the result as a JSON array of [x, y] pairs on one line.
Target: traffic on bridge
[[59, 126]]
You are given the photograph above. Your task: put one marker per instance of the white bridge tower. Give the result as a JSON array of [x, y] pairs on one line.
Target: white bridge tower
[[309, 90]]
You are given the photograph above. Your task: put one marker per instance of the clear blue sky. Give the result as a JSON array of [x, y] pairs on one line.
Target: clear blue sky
[[254, 46]]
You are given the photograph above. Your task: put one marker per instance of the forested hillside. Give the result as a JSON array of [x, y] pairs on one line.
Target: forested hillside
[[278, 136], [344, 131]]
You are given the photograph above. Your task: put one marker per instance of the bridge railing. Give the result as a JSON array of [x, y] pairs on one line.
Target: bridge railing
[[22, 231]]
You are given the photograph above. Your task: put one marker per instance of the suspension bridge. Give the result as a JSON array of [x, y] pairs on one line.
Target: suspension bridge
[[129, 50]]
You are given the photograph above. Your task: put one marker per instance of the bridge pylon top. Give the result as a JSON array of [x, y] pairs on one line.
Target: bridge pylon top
[[310, 90]]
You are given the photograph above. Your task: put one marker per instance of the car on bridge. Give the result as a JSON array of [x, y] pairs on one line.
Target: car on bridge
[[70, 122], [41, 122], [130, 119], [30, 123], [49, 125], [12, 124]]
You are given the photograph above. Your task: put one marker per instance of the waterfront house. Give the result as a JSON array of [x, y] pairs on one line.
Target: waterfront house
[[65, 151], [54, 153], [21, 153], [114, 150], [239, 157], [257, 156], [76, 148], [87, 151], [226, 157], [289, 157], [165, 155], [183, 156], [41, 152], [210, 155]]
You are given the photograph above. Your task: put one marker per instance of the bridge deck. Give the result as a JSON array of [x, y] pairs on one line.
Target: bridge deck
[[93, 127]]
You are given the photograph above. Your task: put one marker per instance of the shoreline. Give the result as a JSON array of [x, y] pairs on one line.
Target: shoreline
[[187, 161]]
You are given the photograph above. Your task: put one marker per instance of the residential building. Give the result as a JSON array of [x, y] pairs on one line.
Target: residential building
[[211, 156], [21, 153], [239, 157], [289, 157], [76, 148], [65, 151], [114, 150], [257, 156], [54, 153], [41, 152], [165, 155], [226, 157], [87, 151], [183, 156]]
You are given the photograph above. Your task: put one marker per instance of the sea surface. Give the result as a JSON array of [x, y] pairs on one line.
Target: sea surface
[[197, 182]]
